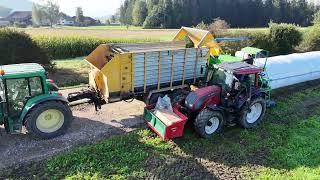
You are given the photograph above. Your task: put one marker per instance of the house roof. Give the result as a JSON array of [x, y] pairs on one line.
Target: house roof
[[85, 18], [88, 18], [68, 18], [19, 15]]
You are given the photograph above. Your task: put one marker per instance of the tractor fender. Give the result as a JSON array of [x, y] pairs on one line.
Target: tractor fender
[[216, 108], [259, 94], [254, 95], [32, 102]]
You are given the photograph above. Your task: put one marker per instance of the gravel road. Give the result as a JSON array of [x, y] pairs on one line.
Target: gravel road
[[88, 126]]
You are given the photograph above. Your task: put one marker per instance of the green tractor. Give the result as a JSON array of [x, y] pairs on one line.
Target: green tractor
[[28, 98]]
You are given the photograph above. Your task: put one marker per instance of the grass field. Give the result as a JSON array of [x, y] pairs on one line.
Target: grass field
[[114, 32], [121, 34], [110, 27], [70, 72], [285, 146]]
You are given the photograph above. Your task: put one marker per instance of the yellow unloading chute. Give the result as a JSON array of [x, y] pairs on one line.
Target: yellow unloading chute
[[199, 38]]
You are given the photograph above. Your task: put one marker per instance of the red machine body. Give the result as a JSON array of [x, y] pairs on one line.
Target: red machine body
[[203, 97]]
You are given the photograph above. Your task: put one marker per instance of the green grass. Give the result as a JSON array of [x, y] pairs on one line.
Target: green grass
[[70, 72], [285, 146], [110, 27]]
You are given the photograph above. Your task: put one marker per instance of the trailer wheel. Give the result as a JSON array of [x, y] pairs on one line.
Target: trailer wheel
[[208, 123], [48, 119], [252, 116]]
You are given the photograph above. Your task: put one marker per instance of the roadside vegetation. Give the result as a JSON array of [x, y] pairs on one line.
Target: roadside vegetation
[[284, 146], [70, 72], [67, 43]]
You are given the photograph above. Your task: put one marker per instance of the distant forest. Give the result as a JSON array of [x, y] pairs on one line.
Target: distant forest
[[238, 13]]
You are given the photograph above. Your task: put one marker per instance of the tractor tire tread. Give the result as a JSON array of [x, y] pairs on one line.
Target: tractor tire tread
[[29, 120], [201, 121], [242, 120]]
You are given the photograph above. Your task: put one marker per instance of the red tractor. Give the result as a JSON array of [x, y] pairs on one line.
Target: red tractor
[[233, 94]]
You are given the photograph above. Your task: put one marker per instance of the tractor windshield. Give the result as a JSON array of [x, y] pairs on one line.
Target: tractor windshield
[[222, 79]]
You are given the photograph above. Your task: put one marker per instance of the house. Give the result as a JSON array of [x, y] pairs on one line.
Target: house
[[87, 21], [4, 22], [21, 17], [66, 20]]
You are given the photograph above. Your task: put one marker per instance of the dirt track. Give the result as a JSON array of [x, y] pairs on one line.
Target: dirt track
[[88, 126]]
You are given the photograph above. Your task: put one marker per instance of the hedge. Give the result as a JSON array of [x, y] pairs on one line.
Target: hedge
[[70, 47], [284, 38], [18, 47], [280, 39], [311, 39]]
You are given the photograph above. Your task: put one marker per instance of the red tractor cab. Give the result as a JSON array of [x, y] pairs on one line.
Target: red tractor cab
[[232, 95]]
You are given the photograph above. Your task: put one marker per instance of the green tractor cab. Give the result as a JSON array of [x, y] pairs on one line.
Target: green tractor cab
[[28, 98]]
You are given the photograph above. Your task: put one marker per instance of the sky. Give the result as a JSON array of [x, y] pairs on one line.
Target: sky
[[92, 8]]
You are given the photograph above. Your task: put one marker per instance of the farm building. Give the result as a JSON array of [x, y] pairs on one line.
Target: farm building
[[66, 20], [22, 17]]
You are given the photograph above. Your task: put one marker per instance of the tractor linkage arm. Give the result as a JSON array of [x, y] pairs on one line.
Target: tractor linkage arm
[[91, 94]]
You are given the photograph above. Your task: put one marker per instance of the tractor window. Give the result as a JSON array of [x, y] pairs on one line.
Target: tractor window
[[18, 92], [252, 78], [2, 91], [35, 86], [222, 79]]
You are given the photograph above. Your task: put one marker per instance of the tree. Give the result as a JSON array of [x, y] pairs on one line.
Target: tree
[[126, 12], [154, 18], [139, 12], [151, 4], [113, 19], [36, 14], [79, 15], [316, 18], [108, 22], [167, 13], [239, 13], [51, 12], [218, 27]]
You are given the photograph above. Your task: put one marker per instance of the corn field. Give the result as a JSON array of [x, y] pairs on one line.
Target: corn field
[[69, 47]]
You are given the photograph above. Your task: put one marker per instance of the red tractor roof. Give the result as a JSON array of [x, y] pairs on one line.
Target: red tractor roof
[[239, 67]]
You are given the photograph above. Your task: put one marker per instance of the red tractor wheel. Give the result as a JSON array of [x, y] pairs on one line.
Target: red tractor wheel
[[208, 123], [254, 114], [178, 96]]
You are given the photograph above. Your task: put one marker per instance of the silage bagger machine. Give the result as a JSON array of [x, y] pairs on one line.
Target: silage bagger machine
[[204, 86]]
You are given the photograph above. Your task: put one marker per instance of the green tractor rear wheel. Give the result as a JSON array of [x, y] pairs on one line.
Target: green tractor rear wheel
[[48, 119]]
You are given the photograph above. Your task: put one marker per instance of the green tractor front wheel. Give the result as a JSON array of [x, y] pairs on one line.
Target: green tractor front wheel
[[48, 119]]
